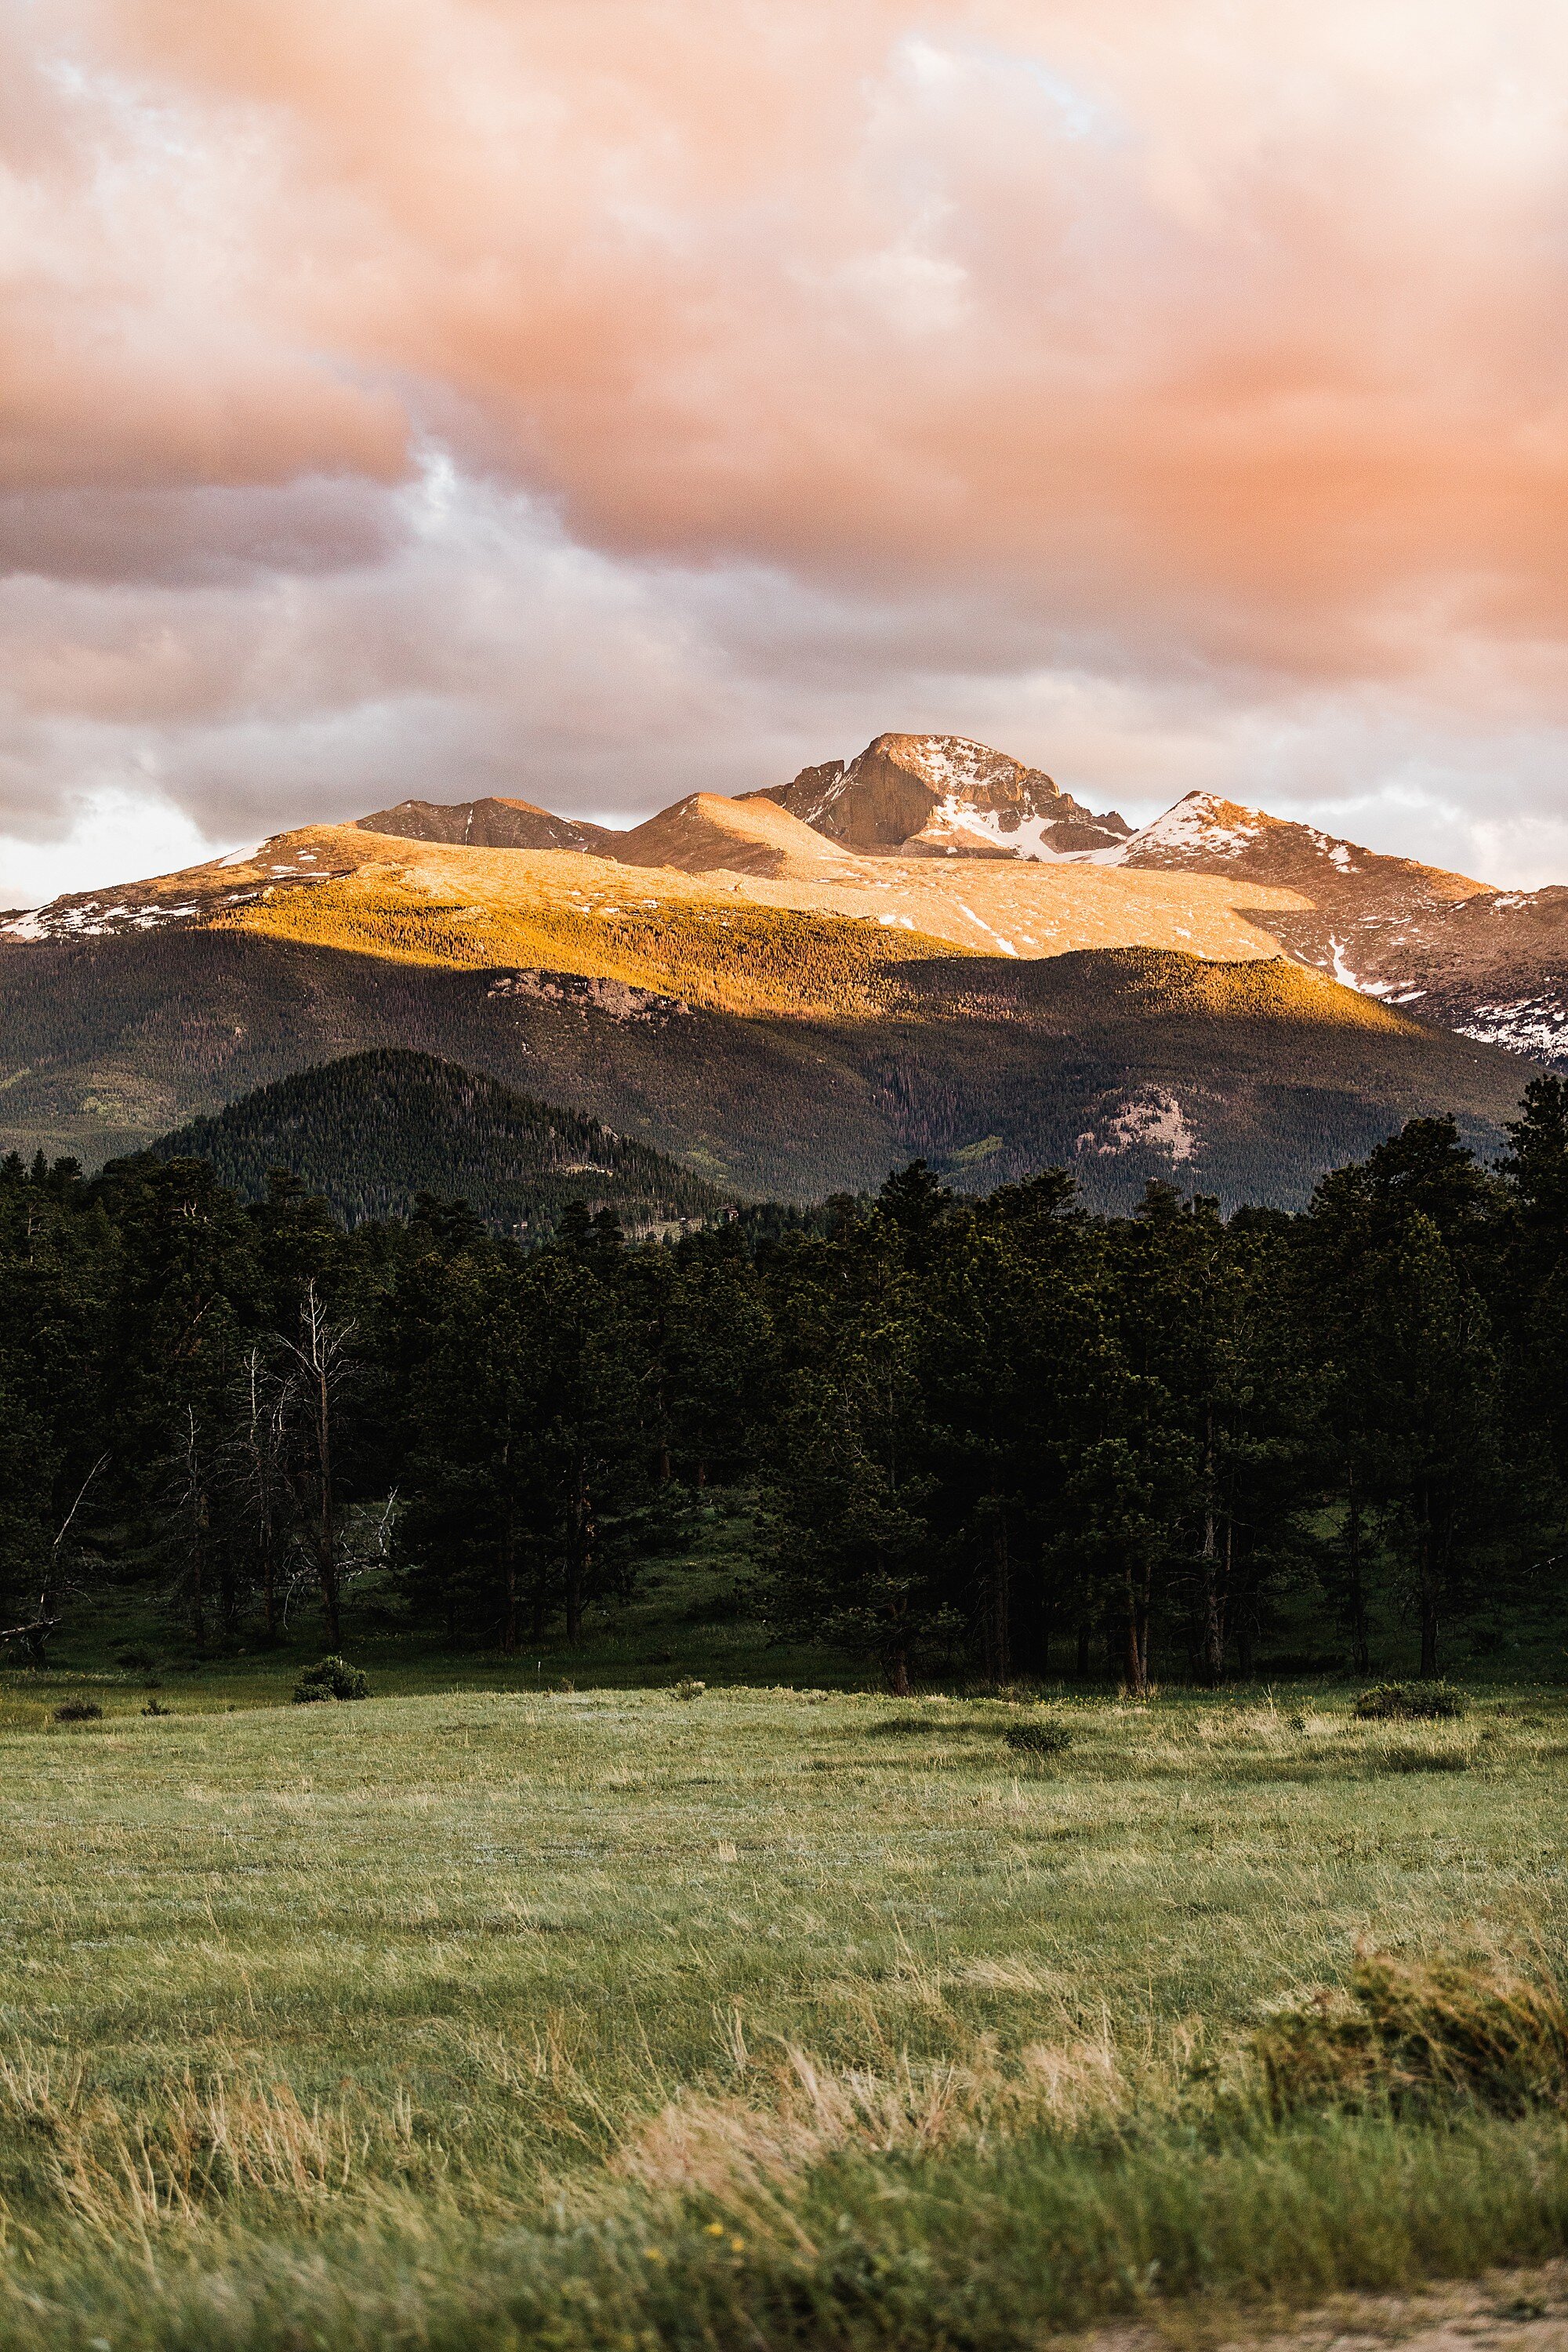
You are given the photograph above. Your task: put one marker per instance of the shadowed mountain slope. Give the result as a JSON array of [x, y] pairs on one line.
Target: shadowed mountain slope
[[1244, 1079], [372, 1130]]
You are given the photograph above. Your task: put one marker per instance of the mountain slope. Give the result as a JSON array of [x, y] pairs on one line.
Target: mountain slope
[[666, 926], [1492, 965], [373, 1129], [707, 833], [1355, 893], [780, 1011], [938, 795], [1245, 1079]]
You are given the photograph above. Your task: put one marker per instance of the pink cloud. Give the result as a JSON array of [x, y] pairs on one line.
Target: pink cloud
[[1210, 352]]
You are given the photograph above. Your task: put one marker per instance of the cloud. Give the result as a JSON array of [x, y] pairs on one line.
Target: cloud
[[599, 399]]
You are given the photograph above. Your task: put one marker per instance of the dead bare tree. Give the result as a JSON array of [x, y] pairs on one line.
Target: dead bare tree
[[320, 1365], [46, 1619], [260, 1449]]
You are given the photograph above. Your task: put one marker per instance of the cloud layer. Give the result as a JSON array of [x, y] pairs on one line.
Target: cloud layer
[[597, 401]]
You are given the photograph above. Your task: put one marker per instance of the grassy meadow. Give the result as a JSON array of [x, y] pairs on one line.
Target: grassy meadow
[[489, 2013]]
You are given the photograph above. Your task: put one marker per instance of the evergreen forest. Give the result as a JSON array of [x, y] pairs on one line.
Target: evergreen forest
[[1001, 1437]]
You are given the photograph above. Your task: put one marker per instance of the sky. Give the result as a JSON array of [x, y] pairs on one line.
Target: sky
[[601, 400]]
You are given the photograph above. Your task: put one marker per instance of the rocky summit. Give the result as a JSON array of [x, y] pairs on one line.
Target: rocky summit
[[943, 795]]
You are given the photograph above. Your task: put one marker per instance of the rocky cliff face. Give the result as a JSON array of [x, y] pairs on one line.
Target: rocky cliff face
[[943, 795]]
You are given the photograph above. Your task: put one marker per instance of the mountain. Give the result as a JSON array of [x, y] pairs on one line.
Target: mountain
[[1492, 965], [674, 924], [780, 1010], [1243, 1078], [938, 795], [1357, 896], [490, 823], [707, 833], [372, 1130]]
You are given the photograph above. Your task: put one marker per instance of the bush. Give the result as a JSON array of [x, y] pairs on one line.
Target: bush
[[1413, 2033], [156, 1706], [1411, 1703], [79, 1710], [689, 1689], [1038, 1739], [333, 1678]]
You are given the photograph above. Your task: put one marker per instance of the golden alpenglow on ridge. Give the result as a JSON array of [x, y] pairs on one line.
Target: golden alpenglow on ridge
[[778, 1005]]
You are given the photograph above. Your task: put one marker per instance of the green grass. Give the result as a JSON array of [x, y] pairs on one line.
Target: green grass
[[684, 1622], [488, 2017]]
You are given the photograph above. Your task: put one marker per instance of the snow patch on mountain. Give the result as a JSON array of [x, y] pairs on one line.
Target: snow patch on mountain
[[1004, 831], [95, 918], [1195, 825], [1537, 1025]]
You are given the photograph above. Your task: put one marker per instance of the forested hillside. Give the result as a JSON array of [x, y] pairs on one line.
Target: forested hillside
[[998, 1435], [1247, 1079], [372, 1131]]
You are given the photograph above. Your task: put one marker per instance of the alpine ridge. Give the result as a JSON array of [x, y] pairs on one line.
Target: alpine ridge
[[1491, 964], [929, 950], [491, 824]]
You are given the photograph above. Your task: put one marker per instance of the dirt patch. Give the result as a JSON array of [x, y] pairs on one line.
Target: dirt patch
[[1510, 2311]]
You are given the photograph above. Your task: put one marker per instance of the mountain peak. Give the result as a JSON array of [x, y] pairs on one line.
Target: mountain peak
[[1205, 833], [944, 795], [707, 832], [493, 823]]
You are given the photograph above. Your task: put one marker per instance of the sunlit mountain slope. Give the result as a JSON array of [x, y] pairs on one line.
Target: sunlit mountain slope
[[1245, 1079], [710, 928], [944, 795], [1490, 963]]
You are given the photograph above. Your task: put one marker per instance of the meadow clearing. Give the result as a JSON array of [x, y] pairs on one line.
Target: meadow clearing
[[757, 2016]]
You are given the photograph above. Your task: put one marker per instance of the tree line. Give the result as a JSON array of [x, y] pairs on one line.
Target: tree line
[[1002, 1435]]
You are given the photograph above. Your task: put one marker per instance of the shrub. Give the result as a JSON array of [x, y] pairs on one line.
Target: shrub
[[79, 1710], [332, 1678], [1038, 1739], [156, 1706], [689, 1689], [1414, 2032], [1411, 1702]]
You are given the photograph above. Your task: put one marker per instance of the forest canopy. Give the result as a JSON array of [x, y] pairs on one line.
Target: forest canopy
[[1000, 1436]]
